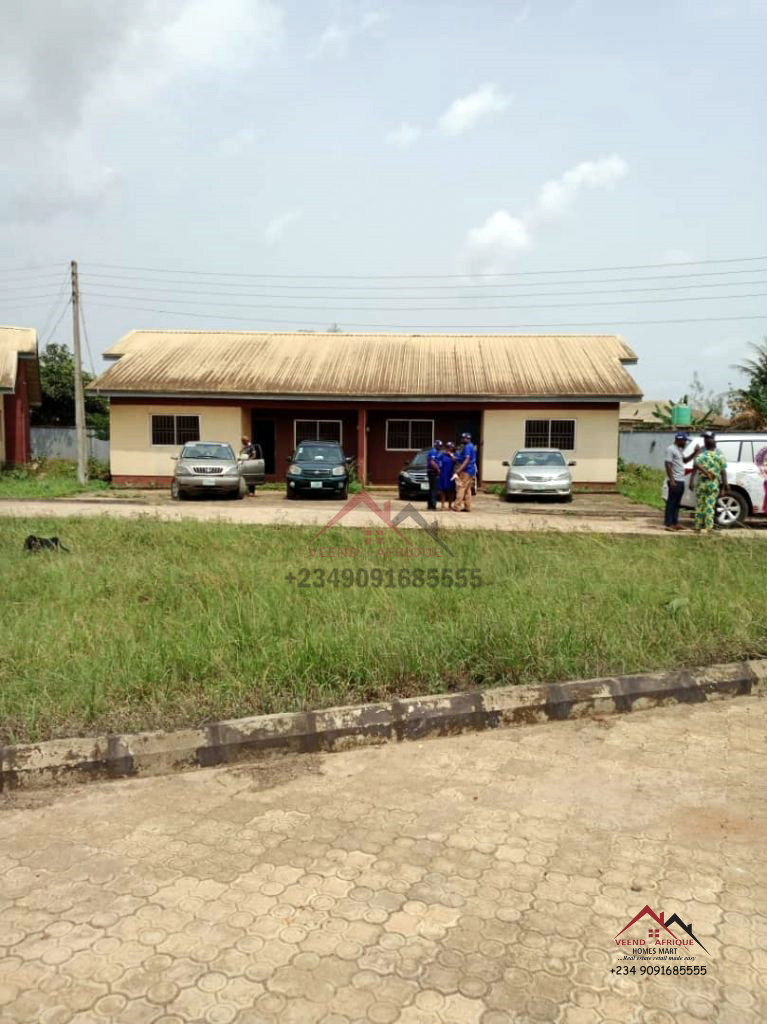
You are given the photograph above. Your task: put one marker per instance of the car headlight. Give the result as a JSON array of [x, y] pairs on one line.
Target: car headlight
[[406, 476], [516, 476], [338, 471], [232, 471], [295, 471], [183, 471], [562, 476]]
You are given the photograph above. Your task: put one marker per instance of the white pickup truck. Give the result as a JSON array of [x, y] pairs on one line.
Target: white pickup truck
[[746, 494]]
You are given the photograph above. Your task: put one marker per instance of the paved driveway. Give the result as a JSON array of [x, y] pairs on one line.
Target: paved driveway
[[591, 513], [478, 879]]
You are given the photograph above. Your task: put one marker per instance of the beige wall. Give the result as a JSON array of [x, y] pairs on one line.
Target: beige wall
[[596, 440], [131, 450]]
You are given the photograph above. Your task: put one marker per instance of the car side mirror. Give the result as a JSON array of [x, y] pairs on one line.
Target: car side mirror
[[348, 459], [175, 458], [288, 458], [505, 462], [573, 463]]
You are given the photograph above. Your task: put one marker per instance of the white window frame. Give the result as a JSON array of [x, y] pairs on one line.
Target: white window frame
[[295, 431], [549, 420], [175, 415], [405, 419]]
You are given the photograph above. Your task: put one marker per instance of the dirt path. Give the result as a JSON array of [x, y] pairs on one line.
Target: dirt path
[[589, 513]]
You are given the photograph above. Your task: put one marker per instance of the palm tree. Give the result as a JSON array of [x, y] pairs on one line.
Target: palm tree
[[750, 402]]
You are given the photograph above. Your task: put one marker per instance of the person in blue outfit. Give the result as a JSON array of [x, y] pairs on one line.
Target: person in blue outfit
[[467, 471], [447, 461], [432, 473]]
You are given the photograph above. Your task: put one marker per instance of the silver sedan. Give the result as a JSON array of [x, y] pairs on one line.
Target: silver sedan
[[539, 471]]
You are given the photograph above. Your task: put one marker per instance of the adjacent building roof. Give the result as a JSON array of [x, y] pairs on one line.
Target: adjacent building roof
[[368, 366], [19, 344], [639, 414]]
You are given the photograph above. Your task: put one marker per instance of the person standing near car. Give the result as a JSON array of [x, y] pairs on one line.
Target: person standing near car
[[710, 475], [675, 460], [432, 473], [466, 473], [447, 461]]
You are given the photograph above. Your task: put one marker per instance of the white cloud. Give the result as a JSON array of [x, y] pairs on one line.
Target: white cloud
[[238, 143], [468, 111], [555, 196], [494, 245], [522, 15], [404, 136], [672, 256], [88, 61], [336, 39], [277, 226]]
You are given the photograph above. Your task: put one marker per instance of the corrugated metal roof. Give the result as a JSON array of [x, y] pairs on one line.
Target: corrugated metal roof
[[15, 342], [246, 364]]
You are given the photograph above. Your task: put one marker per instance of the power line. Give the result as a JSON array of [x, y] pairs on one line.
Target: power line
[[422, 298], [58, 321], [30, 269], [489, 328], [340, 310], [424, 277], [467, 284], [60, 295]]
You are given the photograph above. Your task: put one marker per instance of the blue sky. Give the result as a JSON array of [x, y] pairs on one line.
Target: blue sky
[[391, 139]]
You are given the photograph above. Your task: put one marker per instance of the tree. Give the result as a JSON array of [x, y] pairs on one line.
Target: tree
[[700, 398], [57, 380], [663, 414], [750, 402]]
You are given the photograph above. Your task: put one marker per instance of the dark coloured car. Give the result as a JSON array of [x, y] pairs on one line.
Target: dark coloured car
[[413, 483], [318, 467]]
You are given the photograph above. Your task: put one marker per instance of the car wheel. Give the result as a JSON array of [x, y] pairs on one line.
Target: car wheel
[[567, 498], [731, 510], [509, 497], [251, 488], [291, 495], [344, 494], [175, 492]]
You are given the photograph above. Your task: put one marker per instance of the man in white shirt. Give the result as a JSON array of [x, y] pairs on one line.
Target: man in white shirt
[[675, 460]]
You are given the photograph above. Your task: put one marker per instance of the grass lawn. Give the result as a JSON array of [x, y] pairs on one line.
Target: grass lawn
[[641, 484], [50, 478], [157, 625]]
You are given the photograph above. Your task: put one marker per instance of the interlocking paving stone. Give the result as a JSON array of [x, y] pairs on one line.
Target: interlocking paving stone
[[475, 879]]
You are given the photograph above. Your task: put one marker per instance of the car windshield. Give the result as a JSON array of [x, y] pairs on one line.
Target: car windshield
[[207, 451], [419, 460], [538, 459], [318, 453]]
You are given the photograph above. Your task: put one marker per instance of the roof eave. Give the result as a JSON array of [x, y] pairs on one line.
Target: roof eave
[[93, 388]]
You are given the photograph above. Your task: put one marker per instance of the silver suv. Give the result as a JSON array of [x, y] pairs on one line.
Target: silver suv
[[207, 467]]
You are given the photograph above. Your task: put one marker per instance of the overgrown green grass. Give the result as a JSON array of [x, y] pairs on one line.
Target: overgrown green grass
[[156, 625], [51, 478], [641, 484]]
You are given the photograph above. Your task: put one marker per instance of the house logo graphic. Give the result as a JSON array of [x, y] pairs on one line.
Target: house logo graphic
[[661, 935], [383, 512]]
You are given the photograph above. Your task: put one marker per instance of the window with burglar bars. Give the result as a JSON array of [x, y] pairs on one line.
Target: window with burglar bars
[[409, 435], [175, 430], [317, 430], [550, 434]]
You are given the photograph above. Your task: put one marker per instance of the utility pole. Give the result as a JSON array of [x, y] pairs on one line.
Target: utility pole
[[82, 448]]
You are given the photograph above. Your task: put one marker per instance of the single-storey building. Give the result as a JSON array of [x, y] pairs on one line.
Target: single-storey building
[[382, 396], [19, 391], [639, 415]]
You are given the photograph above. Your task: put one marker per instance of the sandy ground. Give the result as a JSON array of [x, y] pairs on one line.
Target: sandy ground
[[589, 513], [474, 879]]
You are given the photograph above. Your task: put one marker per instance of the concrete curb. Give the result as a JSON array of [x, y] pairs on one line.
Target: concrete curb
[[153, 753]]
